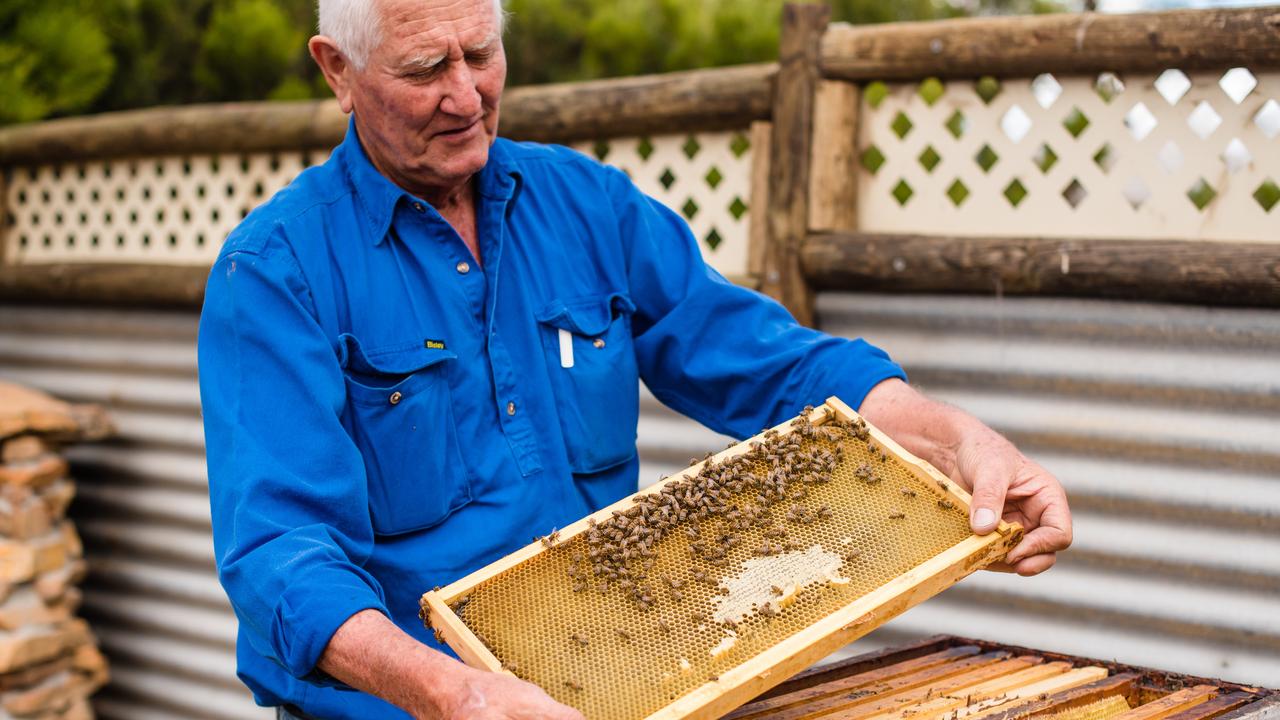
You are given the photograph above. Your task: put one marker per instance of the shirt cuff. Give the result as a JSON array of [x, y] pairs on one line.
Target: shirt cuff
[[865, 367], [310, 614]]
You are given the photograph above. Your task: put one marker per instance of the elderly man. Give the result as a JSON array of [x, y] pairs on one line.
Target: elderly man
[[427, 350]]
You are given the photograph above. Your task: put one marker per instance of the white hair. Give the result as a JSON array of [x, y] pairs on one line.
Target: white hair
[[356, 26]]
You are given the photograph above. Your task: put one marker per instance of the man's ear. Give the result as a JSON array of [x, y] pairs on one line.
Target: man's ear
[[337, 71]]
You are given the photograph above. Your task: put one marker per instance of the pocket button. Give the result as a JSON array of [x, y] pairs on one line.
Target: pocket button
[[395, 398], [599, 343]]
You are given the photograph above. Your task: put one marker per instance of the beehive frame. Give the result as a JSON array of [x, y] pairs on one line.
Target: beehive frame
[[759, 672]]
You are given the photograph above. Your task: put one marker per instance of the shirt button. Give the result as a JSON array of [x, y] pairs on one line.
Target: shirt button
[[463, 267], [418, 207], [599, 343], [511, 408], [395, 398]]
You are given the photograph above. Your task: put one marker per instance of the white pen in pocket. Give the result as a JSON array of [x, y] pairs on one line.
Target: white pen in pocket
[[566, 349]]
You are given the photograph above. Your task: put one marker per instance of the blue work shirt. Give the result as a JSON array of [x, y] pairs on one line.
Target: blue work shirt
[[384, 413]]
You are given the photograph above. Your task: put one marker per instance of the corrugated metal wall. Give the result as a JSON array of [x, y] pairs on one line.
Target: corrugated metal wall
[[1163, 423], [142, 507]]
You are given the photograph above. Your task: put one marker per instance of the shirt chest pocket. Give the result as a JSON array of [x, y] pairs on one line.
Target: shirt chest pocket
[[400, 416], [592, 363]]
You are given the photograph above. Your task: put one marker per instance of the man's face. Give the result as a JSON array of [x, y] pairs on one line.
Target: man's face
[[426, 103]]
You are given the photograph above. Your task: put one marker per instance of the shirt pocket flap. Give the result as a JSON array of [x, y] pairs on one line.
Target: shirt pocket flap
[[591, 315], [401, 359]]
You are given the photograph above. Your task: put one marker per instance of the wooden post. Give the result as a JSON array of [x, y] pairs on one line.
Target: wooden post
[[833, 175], [758, 232], [4, 215], [788, 204]]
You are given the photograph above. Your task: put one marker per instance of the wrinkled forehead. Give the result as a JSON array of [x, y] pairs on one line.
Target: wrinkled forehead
[[413, 28]]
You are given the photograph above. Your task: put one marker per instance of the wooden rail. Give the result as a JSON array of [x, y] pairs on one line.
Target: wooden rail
[[140, 285], [674, 102], [1213, 273], [1065, 43]]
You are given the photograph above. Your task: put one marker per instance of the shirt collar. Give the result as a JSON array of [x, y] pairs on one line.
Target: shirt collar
[[378, 197]]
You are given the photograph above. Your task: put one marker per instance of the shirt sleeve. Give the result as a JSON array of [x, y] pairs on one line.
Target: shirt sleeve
[[726, 356], [291, 525]]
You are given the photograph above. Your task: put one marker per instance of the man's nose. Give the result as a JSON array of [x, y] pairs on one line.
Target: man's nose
[[461, 96]]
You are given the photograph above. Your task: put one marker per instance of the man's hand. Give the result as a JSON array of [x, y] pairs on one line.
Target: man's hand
[[1004, 483], [370, 653], [491, 696]]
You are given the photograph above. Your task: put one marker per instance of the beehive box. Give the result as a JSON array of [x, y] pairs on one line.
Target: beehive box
[[700, 592], [953, 678]]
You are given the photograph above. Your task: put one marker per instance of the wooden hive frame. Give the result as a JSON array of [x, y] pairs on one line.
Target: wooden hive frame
[[765, 670], [1151, 694]]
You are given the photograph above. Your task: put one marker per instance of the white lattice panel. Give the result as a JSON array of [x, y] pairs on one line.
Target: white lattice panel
[[1175, 158], [706, 177], [174, 210], [178, 210]]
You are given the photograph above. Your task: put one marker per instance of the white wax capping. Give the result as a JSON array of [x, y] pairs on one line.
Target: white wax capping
[[726, 644], [754, 587]]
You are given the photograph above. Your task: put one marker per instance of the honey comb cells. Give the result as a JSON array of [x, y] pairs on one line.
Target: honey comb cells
[[624, 635]]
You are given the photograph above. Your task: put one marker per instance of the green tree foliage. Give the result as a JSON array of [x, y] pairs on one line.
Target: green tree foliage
[[552, 40], [247, 50], [67, 56], [53, 58], [155, 43]]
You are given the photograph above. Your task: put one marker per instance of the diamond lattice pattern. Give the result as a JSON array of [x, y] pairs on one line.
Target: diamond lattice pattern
[[1164, 155], [178, 210]]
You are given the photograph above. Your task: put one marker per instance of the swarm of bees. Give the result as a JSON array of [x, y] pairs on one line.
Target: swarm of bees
[[764, 493], [620, 551], [757, 502]]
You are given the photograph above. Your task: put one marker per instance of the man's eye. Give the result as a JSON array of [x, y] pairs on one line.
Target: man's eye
[[479, 59], [421, 76]]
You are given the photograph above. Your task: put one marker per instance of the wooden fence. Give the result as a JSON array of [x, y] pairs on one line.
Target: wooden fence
[[1129, 156]]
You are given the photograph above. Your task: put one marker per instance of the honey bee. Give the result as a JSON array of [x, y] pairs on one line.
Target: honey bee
[[908, 492], [946, 504], [580, 639], [775, 589], [897, 515], [573, 685], [549, 540], [666, 626], [623, 634]]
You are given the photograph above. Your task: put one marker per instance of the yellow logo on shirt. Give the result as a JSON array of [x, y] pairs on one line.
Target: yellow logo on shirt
[[433, 344]]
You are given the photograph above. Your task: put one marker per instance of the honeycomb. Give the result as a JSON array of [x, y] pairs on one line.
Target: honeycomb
[[615, 652]]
